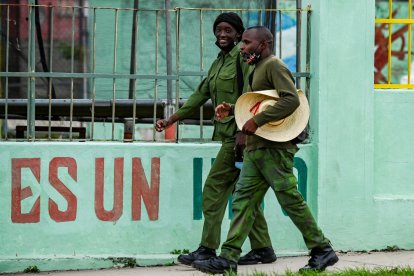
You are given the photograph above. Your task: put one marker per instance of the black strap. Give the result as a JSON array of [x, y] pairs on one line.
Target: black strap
[[240, 79], [251, 78]]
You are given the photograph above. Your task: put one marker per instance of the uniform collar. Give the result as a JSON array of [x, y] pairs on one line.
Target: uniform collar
[[235, 51]]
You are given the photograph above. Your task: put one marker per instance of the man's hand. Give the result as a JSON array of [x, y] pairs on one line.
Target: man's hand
[[250, 127], [222, 111]]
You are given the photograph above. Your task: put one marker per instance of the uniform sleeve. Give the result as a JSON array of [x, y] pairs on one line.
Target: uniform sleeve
[[196, 100], [282, 80]]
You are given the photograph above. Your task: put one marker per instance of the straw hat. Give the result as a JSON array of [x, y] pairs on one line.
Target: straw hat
[[252, 103]]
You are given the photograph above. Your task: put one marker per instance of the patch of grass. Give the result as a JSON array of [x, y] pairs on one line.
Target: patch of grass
[[396, 271], [124, 262], [179, 251], [392, 248], [31, 269]]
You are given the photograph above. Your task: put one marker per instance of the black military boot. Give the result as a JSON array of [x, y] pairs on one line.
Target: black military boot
[[320, 259], [202, 253], [263, 255], [216, 265]]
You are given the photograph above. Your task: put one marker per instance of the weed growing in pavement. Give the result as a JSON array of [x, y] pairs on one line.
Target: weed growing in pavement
[[395, 271]]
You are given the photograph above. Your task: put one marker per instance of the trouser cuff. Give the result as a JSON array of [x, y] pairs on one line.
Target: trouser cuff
[[232, 255]]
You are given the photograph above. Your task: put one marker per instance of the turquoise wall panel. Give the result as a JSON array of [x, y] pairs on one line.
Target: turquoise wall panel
[[105, 200]]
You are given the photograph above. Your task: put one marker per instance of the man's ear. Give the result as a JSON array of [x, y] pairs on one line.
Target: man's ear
[[262, 45]]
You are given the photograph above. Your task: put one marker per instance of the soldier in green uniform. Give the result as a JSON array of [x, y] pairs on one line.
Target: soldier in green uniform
[[267, 162], [221, 85]]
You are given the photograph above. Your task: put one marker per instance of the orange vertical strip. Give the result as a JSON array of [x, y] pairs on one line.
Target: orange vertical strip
[[409, 40], [389, 42]]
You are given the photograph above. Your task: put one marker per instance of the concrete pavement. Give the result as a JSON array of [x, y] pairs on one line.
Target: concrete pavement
[[369, 260]]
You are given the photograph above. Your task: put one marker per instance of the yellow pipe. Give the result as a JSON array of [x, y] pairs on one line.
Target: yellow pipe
[[394, 20], [393, 86]]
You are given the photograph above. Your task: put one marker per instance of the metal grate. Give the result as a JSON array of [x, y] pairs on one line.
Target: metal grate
[[97, 67]]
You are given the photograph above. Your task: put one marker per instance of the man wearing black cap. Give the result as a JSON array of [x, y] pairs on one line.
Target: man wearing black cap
[[224, 83]]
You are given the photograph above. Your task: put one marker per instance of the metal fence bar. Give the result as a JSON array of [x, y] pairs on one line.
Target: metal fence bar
[[72, 56], [260, 17], [280, 34], [7, 70], [114, 71], [298, 40], [31, 67], [93, 79], [111, 76], [308, 51], [201, 69], [177, 64], [51, 29], [156, 70], [134, 88]]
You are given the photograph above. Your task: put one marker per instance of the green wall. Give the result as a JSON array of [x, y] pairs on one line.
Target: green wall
[[362, 135], [151, 203]]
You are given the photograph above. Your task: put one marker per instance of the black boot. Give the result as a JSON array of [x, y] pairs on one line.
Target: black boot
[[216, 265], [202, 253], [320, 259], [263, 255]]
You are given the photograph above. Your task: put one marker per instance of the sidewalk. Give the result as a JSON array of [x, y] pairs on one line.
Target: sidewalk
[[346, 261]]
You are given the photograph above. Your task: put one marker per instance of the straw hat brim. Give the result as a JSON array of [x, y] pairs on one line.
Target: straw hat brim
[[282, 131]]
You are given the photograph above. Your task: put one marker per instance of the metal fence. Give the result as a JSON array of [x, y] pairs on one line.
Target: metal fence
[[79, 73]]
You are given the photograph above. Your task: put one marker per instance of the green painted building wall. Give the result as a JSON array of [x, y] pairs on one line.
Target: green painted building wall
[[357, 166]]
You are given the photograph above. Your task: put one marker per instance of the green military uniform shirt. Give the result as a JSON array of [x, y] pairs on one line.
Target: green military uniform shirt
[[272, 73], [220, 85]]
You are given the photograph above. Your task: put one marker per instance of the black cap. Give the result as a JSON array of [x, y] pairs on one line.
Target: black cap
[[231, 18]]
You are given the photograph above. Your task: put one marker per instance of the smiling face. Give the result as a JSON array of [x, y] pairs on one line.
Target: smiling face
[[226, 34]]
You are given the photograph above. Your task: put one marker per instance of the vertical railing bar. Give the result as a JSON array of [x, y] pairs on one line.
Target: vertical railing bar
[[201, 69], [31, 90], [275, 38], [49, 130], [260, 17], [114, 72], [154, 118], [72, 62], [389, 42], [94, 71], [409, 40], [298, 40], [6, 111], [177, 65], [280, 34], [308, 50], [134, 89]]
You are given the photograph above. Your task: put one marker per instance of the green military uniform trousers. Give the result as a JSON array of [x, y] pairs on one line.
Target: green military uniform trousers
[[264, 168], [219, 185]]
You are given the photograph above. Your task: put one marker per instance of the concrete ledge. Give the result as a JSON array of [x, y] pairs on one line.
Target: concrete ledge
[[85, 263]]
